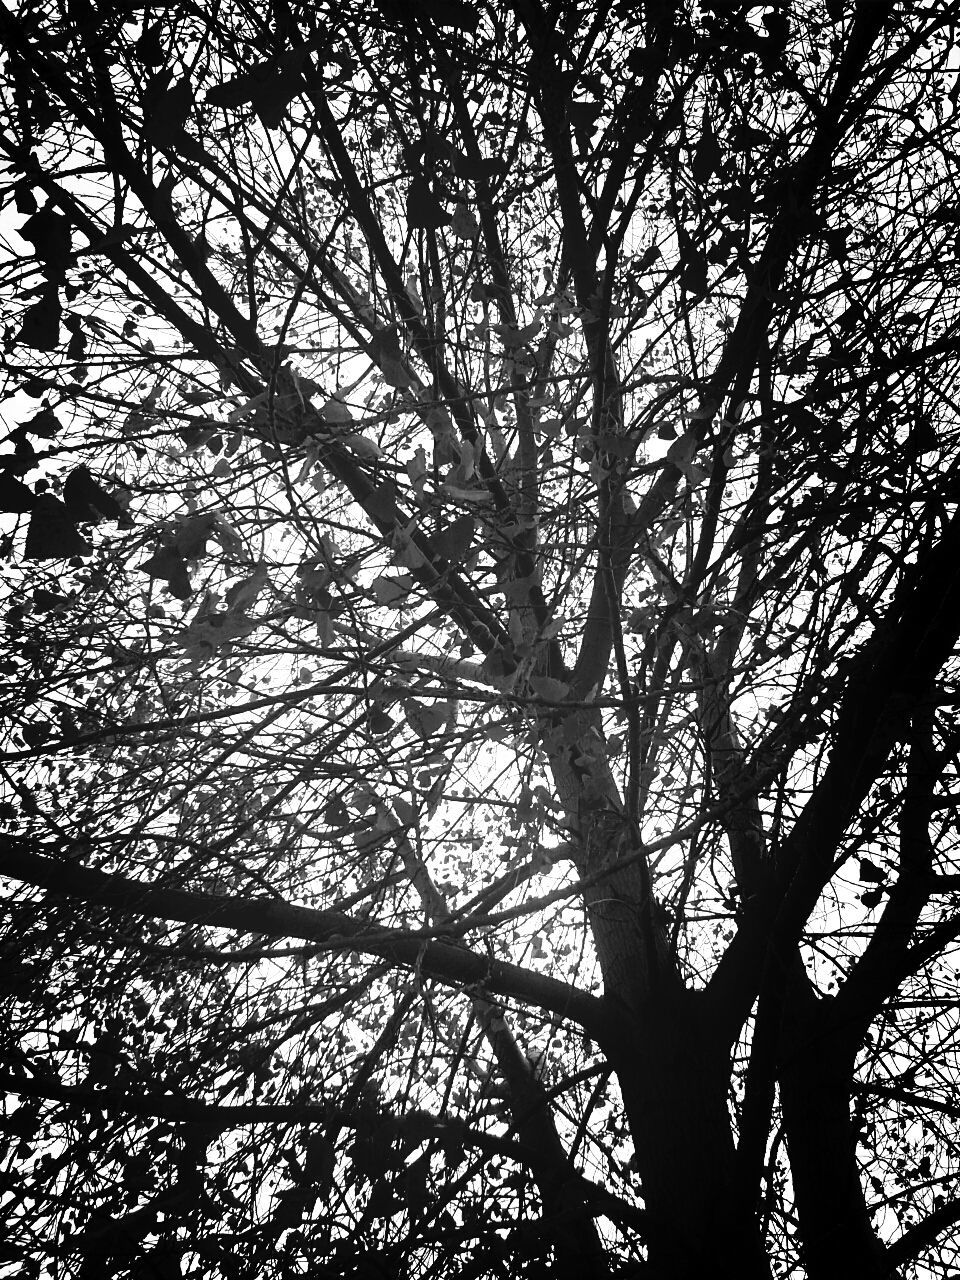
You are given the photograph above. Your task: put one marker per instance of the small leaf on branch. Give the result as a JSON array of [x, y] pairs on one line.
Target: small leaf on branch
[[465, 495], [193, 534], [77, 346], [500, 665], [150, 46], [15, 497], [922, 438], [450, 13], [40, 326], [363, 446], [35, 735], [381, 504], [269, 88], [423, 208], [319, 1161], [464, 225], [547, 687], [694, 472], [87, 500], [394, 374], [379, 722], [454, 541], [392, 591], [52, 534], [165, 122], [45, 424], [49, 232], [869, 871], [24, 200], [474, 168], [243, 594], [416, 468], [168, 565], [708, 156], [334, 410], [513, 337], [583, 116], [389, 358], [115, 236], [425, 720]]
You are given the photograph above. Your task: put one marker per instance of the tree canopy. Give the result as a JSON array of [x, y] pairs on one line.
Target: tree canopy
[[480, 564]]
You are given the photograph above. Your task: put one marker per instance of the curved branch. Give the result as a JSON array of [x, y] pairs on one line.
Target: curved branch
[[885, 687], [180, 1110], [449, 963], [922, 1235], [895, 1093]]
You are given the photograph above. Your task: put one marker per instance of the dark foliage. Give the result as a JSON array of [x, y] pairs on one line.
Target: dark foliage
[[480, 561]]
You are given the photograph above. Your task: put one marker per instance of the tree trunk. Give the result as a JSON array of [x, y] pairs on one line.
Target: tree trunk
[[671, 1057], [674, 1072], [815, 1074]]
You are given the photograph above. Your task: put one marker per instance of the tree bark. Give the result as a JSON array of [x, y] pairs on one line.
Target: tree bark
[[838, 1238], [674, 1068], [816, 1070]]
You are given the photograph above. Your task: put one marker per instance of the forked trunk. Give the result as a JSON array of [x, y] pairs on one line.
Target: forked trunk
[[674, 1074], [838, 1237]]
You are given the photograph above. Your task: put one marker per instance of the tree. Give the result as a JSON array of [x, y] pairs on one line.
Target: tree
[[482, 603]]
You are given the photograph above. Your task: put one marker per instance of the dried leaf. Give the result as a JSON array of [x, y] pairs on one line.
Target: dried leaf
[[15, 497], [168, 565], [193, 534], [45, 424], [165, 122], [870, 872], [334, 410], [463, 224], [243, 594], [87, 500], [423, 208], [40, 326], [547, 687], [392, 591], [454, 541], [708, 157], [49, 233], [52, 534]]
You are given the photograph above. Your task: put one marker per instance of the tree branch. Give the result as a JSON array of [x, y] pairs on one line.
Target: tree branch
[[448, 963], [922, 1235], [908, 648]]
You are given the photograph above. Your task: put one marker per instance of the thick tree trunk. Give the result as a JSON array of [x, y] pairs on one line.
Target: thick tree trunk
[[671, 1057], [815, 1073], [674, 1071]]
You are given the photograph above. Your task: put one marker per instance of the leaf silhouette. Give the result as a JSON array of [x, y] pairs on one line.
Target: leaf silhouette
[[464, 225], [869, 871], [706, 161], [451, 13], [52, 534], [423, 208], [169, 566], [269, 88], [87, 500], [40, 327], [44, 424], [49, 232], [453, 542], [165, 122], [14, 494]]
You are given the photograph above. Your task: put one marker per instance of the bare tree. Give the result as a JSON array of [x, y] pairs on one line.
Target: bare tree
[[481, 562]]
